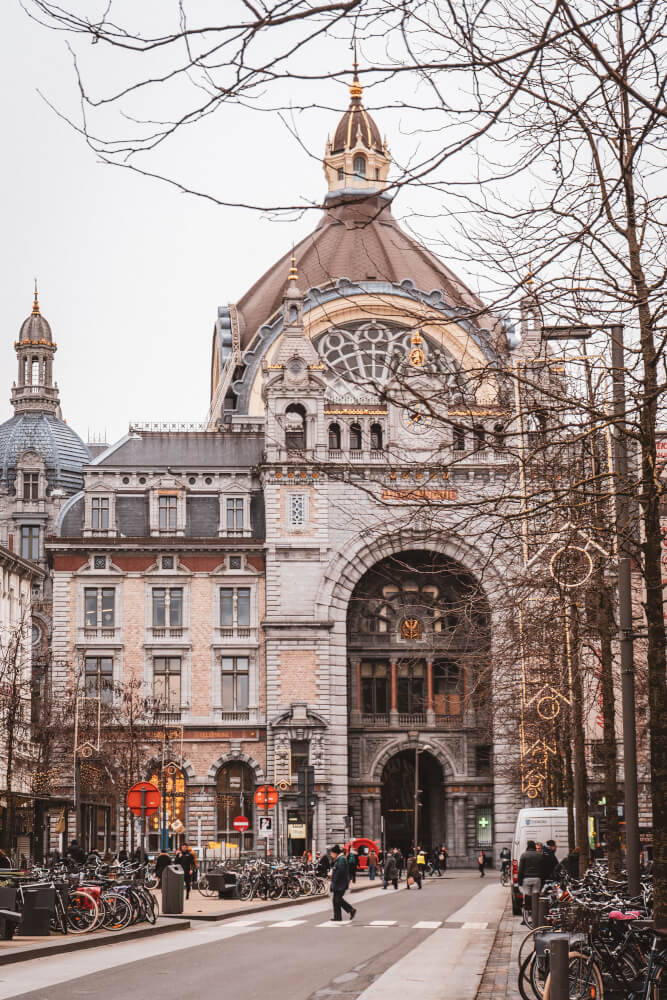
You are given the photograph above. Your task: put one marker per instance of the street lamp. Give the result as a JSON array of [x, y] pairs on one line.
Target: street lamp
[[582, 332], [413, 735]]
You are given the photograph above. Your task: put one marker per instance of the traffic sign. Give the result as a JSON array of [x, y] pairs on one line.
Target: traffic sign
[[266, 797], [241, 823], [151, 798], [266, 826]]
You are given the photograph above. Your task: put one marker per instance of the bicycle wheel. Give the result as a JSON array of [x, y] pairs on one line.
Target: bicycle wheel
[[116, 911], [525, 985], [585, 979], [538, 972], [82, 912], [245, 889], [205, 889]]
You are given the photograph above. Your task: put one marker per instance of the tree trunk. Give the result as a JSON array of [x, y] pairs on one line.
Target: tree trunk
[[609, 750]]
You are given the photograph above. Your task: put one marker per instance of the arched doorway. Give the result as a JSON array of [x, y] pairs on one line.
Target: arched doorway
[[235, 797], [171, 782], [398, 800]]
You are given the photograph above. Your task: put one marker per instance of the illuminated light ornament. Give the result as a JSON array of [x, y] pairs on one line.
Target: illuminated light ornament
[[411, 628]]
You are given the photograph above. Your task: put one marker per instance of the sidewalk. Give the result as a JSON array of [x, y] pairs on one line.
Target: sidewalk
[[199, 907], [23, 949], [501, 975]]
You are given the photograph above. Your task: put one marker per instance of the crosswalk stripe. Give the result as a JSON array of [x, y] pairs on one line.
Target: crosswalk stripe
[[474, 927], [245, 923], [287, 923], [427, 925], [382, 923], [334, 923]]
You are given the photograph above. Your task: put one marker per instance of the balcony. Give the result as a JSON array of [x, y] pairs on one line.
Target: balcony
[[232, 717], [167, 633], [411, 720], [91, 633], [246, 634], [485, 456], [356, 455]]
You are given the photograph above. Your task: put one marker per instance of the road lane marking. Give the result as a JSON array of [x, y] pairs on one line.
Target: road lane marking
[[334, 923], [288, 923], [382, 923], [427, 925]]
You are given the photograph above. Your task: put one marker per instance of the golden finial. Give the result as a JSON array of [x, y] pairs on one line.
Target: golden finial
[[416, 338], [35, 305], [293, 275], [529, 279], [356, 90]]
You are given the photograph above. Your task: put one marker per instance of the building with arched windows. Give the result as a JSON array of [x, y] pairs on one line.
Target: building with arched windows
[[302, 585]]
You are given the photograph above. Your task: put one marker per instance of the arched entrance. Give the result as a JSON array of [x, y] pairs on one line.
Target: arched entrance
[[398, 800], [235, 797]]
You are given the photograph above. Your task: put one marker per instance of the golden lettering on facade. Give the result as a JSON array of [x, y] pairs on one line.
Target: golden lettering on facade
[[421, 494]]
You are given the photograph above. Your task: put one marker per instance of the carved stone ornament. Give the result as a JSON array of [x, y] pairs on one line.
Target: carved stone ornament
[[411, 628]]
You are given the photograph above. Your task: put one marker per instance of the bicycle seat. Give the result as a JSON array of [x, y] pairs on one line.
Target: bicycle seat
[[619, 915]]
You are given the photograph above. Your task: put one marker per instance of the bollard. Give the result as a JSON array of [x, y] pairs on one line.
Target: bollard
[[535, 907], [543, 909], [559, 968]]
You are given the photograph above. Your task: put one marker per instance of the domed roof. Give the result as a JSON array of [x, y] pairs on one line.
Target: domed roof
[[360, 240], [62, 449], [356, 126], [35, 329]]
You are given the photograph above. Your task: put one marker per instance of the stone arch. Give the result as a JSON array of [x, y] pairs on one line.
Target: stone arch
[[404, 742], [236, 756]]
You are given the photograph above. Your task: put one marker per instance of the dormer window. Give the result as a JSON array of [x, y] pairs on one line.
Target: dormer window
[[359, 166], [168, 513], [31, 486], [99, 513]]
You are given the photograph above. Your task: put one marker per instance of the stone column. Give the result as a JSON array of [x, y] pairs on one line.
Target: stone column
[[430, 711], [393, 714], [366, 816], [377, 825], [460, 801], [356, 693]]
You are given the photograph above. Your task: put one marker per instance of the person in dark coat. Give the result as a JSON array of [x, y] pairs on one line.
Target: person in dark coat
[[161, 862], [75, 852], [413, 872], [352, 863], [340, 880], [550, 861], [481, 862], [400, 861], [186, 859], [323, 865], [122, 855], [571, 863], [531, 864], [390, 872]]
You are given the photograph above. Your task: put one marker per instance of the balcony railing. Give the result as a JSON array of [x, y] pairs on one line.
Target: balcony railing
[[375, 721], [243, 716], [92, 632], [356, 456], [414, 720], [231, 633], [168, 633], [335, 454]]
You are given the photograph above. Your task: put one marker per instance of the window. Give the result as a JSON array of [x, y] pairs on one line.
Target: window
[[334, 437], [447, 689], [355, 437], [480, 437], [30, 541], [234, 683], [99, 607], [482, 760], [376, 437], [167, 682], [31, 486], [359, 166], [234, 607], [374, 688], [99, 513], [341, 174], [99, 678], [168, 513], [235, 562], [499, 437], [297, 509], [411, 687], [458, 438], [295, 427], [234, 521], [235, 797], [167, 607], [484, 826]]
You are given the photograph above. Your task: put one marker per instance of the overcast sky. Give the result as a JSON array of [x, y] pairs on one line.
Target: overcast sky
[[130, 271]]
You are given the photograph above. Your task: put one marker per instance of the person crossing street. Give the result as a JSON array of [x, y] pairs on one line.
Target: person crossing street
[[340, 880]]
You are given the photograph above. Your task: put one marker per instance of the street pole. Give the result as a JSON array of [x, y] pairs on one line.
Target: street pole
[[625, 611], [416, 815]]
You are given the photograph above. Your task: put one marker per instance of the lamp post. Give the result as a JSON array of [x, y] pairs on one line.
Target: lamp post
[[620, 452]]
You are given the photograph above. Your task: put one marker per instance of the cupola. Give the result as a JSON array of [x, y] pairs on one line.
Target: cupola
[[34, 391]]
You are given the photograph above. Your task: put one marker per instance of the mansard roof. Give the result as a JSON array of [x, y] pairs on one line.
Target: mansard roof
[[63, 451], [156, 449]]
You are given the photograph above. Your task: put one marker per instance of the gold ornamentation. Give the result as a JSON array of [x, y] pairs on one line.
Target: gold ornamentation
[[411, 628], [416, 357]]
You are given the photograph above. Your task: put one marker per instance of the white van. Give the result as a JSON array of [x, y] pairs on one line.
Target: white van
[[548, 823]]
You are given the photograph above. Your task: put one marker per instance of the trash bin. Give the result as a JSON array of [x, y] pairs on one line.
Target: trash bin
[[8, 923], [39, 904], [173, 881]]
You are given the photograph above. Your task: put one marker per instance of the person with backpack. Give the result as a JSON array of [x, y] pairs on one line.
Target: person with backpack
[[340, 881], [421, 863]]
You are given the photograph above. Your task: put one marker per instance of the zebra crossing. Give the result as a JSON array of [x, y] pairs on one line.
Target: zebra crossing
[[268, 923]]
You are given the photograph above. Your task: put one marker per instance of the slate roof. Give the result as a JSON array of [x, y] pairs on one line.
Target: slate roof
[[187, 450], [63, 450], [355, 124], [359, 240]]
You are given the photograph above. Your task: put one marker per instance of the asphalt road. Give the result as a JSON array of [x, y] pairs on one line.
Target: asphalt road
[[298, 960]]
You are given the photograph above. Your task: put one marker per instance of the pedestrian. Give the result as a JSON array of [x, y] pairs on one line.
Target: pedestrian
[[372, 863], [531, 868], [75, 853], [571, 862], [186, 859], [390, 873], [421, 863], [340, 880], [161, 862], [412, 872], [323, 865], [400, 861], [481, 861], [442, 858], [352, 863], [122, 856], [551, 866]]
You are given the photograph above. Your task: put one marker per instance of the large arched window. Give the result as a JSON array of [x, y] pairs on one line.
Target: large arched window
[[170, 780], [447, 689], [376, 437], [235, 797], [334, 437], [355, 437], [359, 166], [295, 427]]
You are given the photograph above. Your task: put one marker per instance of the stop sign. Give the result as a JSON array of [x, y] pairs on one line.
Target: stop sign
[[151, 798], [241, 823], [266, 796]]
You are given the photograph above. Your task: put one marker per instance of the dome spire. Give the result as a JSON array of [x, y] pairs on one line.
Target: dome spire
[[356, 89], [35, 304]]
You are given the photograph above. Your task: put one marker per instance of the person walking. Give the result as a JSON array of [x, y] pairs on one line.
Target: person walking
[[161, 862], [186, 859], [443, 854], [481, 862], [352, 863], [372, 864], [421, 863], [390, 873], [340, 880], [412, 872], [323, 865], [550, 861], [400, 861]]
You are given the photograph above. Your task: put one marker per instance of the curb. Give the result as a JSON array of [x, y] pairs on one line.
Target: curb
[[249, 910], [96, 940]]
